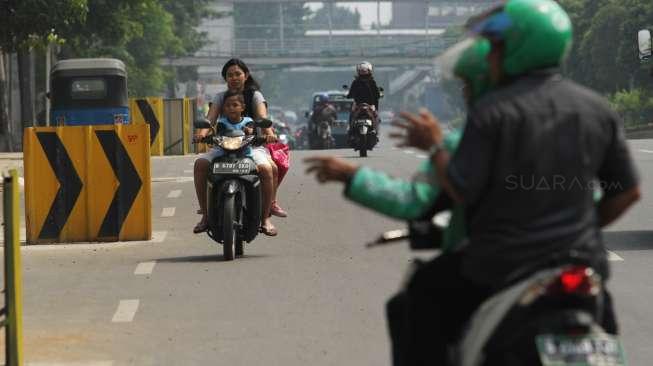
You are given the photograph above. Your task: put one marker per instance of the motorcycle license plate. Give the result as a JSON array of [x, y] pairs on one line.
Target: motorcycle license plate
[[584, 350], [239, 168]]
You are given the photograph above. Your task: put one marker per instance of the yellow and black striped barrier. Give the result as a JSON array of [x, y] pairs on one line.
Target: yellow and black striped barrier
[[87, 183], [150, 111], [170, 122], [13, 310]]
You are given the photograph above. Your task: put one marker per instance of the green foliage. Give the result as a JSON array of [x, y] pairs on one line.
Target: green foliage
[[341, 18], [29, 23], [634, 106], [140, 33], [604, 55]]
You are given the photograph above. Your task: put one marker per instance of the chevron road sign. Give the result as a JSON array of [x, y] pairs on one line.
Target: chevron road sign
[[87, 183]]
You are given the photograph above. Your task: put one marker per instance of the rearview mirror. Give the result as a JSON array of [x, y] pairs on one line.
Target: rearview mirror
[[264, 123], [306, 114], [202, 123], [345, 87], [644, 43]]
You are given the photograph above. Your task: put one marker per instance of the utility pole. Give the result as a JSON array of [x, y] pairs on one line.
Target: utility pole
[[281, 26], [329, 6], [48, 66]]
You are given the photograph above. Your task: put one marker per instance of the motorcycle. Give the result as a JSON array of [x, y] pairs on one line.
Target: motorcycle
[[363, 134], [551, 317], [324, 137], [233, 192]]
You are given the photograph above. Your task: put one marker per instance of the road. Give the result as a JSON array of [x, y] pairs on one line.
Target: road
[[314, 295]]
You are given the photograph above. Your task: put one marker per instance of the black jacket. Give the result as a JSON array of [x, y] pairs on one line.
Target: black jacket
[[365, 90]]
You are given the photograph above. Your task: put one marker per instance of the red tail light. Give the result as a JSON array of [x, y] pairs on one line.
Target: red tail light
[[577, 280]]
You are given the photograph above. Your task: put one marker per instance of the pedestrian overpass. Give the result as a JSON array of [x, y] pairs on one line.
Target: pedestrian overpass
[[397, 46]]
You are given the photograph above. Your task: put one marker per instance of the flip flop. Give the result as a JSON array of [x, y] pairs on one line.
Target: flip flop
[[272, 232], [200, 227]]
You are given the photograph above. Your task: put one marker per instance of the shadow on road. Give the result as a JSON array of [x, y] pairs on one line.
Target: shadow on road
[[628, 240], [208, 258]]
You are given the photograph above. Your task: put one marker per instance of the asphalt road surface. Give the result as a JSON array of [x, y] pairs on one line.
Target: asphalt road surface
[[314, 295]]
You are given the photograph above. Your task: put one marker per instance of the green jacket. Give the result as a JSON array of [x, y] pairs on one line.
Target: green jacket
[[407, 200]]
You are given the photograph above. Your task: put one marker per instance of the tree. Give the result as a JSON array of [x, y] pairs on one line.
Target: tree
[[341, 18], [25, 24], [603, 55], [140, 33]]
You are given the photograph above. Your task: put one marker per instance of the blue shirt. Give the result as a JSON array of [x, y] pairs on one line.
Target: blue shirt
[[225, 125]]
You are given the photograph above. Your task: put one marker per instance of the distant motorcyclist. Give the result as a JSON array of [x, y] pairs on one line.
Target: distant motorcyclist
[[537, 127], [364, 91], [323, 111]]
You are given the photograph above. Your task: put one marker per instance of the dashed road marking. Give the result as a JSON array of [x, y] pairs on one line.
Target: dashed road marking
[[188, 171], [159, 236], [409, 152], [612, 256], [145, 268], [646, 151], [126, 311], [175, 193], [421, 156], [168, 212]]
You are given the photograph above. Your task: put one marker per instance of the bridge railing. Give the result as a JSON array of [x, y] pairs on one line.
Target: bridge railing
[[336, 46]]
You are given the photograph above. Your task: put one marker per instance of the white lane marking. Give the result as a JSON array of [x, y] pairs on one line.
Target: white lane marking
[[89, 363], [172, 179], [145, 268], [612, 256], [168, 212], [188, 171], [126, 311], [157, 237], [646, 151], [175, 193], [409, 152], [421, 156]]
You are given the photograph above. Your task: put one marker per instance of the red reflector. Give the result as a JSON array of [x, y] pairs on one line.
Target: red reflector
[[574, 279]]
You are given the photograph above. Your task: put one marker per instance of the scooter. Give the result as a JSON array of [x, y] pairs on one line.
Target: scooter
[[233, 191], [550, 317]]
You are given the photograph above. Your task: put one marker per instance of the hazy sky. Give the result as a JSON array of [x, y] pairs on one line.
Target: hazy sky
[[367, 10]]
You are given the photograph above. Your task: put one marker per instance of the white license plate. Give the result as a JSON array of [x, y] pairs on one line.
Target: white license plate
[[584, 350], [231, 168]]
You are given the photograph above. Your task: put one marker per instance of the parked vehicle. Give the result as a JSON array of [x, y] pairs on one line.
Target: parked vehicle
[[89, 92]]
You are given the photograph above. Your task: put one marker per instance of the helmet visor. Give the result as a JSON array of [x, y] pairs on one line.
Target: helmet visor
[[447, 61]]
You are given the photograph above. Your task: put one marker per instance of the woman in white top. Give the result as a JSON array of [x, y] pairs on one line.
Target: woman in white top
[[239, 80]]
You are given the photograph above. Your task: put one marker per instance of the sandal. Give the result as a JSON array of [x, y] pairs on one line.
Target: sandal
[[201, 227], [268, 232]]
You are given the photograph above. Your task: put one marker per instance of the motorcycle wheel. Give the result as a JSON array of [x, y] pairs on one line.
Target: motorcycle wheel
[[363, 146], [231, 219], [239, 220]]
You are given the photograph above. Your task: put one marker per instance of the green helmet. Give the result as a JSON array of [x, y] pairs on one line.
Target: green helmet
[[472, 66], [536, 34]]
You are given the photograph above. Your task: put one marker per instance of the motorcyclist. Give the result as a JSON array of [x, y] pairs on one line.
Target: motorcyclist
[[322, 111], [535, 125], [236, 73], [364, 91]]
